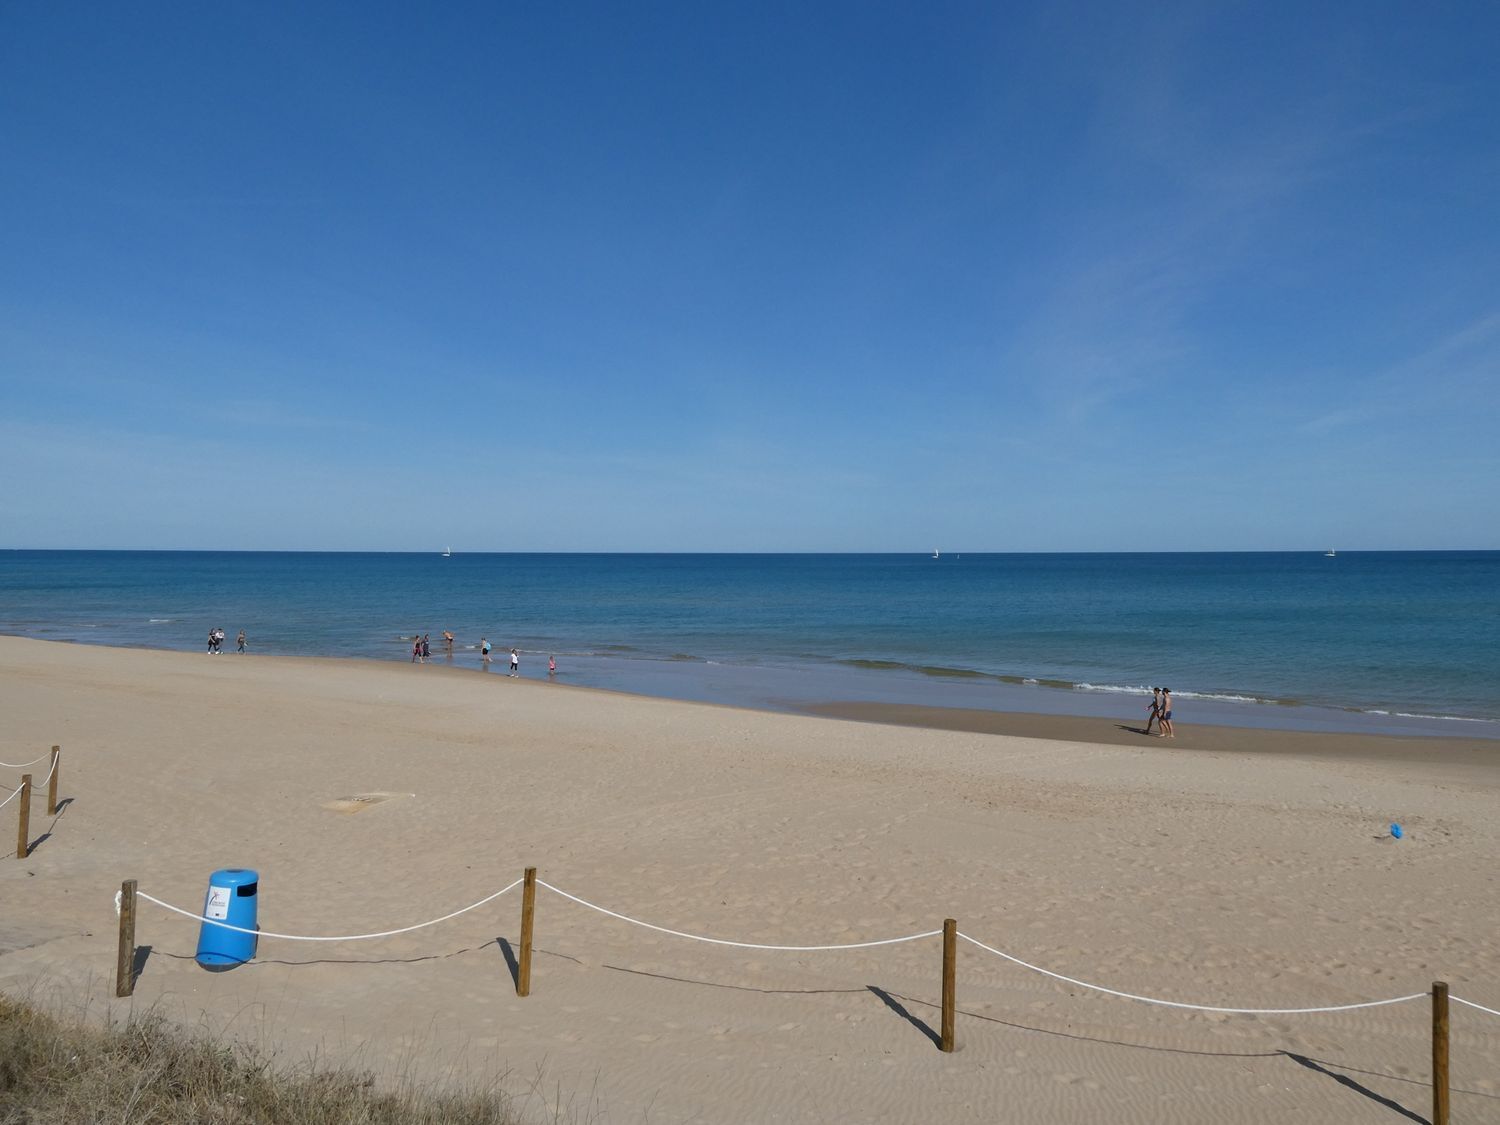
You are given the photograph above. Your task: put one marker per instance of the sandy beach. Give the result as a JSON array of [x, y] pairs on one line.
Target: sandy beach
[[1224, 868]]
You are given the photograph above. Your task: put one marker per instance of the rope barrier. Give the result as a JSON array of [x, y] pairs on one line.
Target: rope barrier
[[304, 937], [736, 944], [23, 765], [35, 785], [1192, 1007], [806, 949], [1471, 1004]]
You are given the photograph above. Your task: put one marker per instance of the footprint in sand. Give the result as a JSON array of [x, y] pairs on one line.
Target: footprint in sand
[[359, 802]]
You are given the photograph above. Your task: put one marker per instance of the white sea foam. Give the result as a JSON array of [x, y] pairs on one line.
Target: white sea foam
[[1122, 689], [1444, 718], [1221, 698], [1128, 690], [160, 620]]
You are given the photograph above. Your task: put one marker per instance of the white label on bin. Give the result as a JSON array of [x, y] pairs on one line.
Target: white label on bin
[[217, 904]]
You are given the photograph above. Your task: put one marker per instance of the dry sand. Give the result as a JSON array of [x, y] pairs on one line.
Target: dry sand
[[1216, 876]]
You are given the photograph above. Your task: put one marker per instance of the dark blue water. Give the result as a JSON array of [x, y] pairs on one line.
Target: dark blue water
[[1387, 634]]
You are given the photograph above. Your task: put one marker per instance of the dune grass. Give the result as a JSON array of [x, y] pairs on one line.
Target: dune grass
[[146, 1071]]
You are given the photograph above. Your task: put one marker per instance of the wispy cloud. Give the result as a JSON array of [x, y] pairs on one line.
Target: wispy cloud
[[1461, 367], [1193, 190], [272, 414]]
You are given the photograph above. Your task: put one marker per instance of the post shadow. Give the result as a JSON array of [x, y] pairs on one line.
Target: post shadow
[[510, 961], [47, 835], [1345, 1080], [896, 1006], [138, 963]]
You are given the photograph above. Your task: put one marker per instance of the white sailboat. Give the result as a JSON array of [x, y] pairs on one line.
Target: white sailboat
[[1330, 553], [447, 552], [935, 552]]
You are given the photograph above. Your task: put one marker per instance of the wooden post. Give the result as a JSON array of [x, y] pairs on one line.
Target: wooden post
[[125, 964], [1439, 1052], [528, 915], [52, 785], [950, 979], [23, 819]]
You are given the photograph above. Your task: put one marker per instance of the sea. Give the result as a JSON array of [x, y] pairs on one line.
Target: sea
[[1379, 642]]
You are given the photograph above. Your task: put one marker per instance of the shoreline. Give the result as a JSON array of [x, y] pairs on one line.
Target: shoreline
[[912, 698], [1211, 738]]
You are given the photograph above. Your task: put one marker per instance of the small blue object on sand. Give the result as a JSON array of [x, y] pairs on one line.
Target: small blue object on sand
[[1396, 831]]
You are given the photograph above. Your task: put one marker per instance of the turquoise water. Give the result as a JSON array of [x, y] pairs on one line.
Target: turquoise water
[[1247, 638]]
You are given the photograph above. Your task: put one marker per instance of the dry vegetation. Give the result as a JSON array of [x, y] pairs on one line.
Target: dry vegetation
[[148, 1072]]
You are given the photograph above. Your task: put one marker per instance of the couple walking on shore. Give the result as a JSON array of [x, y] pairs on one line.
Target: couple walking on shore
[[1160, 713]]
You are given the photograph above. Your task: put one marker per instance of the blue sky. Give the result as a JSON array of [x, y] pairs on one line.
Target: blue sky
[[776, 277]]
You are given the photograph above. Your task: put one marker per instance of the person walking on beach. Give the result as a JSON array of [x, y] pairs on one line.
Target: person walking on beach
[[416, 650], [1153, 713], [211, 642], [551, 667], [426, 649], [1166, 715], [515, 663], [448, 642], [484, 651], [240, 642]]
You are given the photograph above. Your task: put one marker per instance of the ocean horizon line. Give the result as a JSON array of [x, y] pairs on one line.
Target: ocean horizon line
[[605, 553]]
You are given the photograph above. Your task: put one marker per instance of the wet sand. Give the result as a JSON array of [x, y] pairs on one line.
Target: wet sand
[[1447, 753]]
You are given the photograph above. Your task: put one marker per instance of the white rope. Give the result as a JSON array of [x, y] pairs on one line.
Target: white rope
[[35, 785], [1471, 1004], [1193, 1007], [304, 937], [23, 765], [736, 944]]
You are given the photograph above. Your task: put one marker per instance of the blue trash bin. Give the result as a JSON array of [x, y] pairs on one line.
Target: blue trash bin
[[232, 895]]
